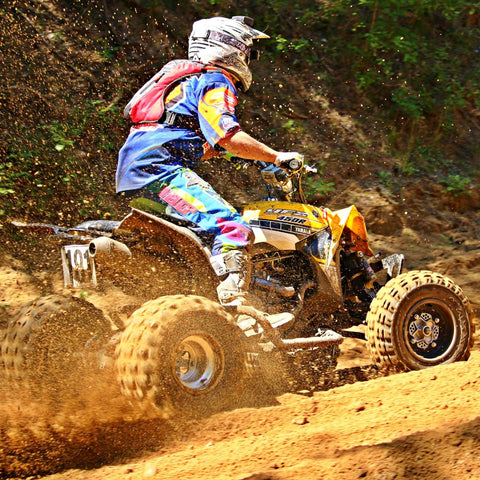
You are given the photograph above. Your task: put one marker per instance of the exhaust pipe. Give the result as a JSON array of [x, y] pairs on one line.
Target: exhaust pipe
[[107, 248]]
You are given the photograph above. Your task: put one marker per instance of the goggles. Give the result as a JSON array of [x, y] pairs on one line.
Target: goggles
[[233, 42]]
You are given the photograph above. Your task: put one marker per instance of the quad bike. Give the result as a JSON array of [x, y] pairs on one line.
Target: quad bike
[[173, 346]]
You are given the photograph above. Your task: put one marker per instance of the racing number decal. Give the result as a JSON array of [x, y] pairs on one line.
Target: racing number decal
[[284, 218], [78, 266], [78, 257]]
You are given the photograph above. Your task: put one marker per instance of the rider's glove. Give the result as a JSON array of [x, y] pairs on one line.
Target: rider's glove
[[291, 162]]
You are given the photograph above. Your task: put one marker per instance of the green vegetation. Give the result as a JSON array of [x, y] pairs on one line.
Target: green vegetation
[[49, 163], [420, 54], [317, 185], [457, 185], [385, 178], [404, 71]]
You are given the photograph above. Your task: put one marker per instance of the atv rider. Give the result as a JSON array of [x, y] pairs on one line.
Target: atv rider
[[200, 123]]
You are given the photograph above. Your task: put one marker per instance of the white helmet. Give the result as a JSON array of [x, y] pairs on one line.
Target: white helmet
[[226, 43]]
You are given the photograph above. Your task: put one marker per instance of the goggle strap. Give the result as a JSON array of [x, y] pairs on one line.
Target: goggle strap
[[228, 40]]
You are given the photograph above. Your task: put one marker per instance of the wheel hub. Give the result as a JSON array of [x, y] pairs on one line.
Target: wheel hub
[[199, 364], [424, 331]]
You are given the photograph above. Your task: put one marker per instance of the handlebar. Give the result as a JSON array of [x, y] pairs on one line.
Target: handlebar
[[281, 183], [294, 165], [305, 169]]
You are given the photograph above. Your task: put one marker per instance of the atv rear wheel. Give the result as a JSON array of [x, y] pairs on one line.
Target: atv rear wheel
[[182, 353], [49, 338], [419, 319]]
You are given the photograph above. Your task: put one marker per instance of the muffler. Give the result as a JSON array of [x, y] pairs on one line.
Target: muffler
[[105, 248]]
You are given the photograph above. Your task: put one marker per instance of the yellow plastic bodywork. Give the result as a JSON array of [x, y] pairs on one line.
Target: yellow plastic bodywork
[[351, 219], [304, 220]]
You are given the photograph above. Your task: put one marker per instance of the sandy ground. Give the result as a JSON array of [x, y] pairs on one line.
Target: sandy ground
[[414, 425], [404, 426]]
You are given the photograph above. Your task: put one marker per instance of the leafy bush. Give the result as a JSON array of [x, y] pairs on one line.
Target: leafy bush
[[457, 185], [420, 56]]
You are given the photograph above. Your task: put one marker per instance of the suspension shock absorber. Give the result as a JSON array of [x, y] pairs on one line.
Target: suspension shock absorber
[[357, 271], [370, 275]]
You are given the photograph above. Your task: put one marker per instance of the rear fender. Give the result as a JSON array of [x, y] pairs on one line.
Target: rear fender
[[54, 231], [181, 239]]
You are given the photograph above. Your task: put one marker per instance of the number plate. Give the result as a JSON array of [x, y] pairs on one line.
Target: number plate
[[78, 267]]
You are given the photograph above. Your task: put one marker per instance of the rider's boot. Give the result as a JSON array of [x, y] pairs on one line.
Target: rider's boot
[[234, 268]]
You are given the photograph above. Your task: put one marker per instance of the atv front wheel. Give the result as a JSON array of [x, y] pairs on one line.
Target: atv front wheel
[[419, 319], [182, 353]]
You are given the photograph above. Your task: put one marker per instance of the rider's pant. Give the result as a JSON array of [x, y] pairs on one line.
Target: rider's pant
[[198, 202]]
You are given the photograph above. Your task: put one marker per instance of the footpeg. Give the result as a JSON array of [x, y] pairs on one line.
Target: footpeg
[[324, 336], [278, 321]]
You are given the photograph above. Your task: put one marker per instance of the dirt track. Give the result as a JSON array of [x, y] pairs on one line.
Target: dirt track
[[405, 426], [414, 425]]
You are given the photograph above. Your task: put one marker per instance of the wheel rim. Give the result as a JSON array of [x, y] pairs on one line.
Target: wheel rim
[[430, 330], [199, 363]]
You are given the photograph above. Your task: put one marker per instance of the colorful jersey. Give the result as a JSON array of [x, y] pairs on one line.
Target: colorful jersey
[[212, 98]]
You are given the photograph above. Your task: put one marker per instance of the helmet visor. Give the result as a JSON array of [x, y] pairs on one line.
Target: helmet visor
[[254, 34]]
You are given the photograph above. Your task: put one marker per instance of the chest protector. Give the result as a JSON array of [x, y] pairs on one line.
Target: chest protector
[[148, 104]]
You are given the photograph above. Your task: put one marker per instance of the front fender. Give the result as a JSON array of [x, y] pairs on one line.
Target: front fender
[[350, 218]]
